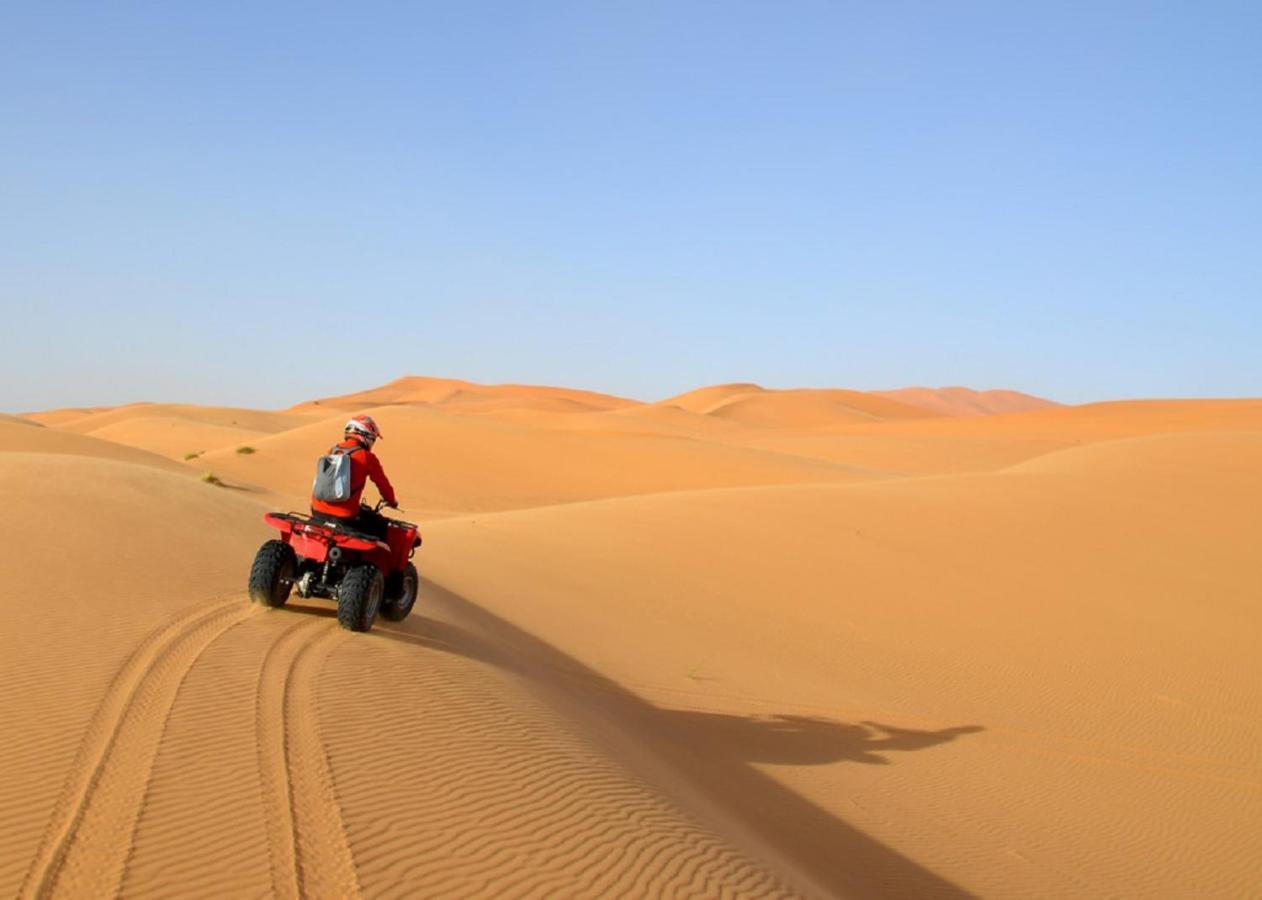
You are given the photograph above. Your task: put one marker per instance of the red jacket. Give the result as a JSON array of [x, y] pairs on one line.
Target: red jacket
[[364, 465]]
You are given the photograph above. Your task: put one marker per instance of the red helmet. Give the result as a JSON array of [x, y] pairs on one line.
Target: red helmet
[[364, 428]]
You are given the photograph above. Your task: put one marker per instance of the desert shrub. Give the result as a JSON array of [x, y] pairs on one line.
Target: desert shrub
[[246, 451], [212, 478]]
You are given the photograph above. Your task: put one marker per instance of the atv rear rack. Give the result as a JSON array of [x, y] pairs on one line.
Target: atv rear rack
[[305, 522]]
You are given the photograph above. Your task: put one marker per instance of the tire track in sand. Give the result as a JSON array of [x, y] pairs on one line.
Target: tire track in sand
[[481, 788], [310, 855], [82, 851]]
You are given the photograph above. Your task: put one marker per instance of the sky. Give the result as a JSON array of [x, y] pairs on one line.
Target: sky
[[260, 203]]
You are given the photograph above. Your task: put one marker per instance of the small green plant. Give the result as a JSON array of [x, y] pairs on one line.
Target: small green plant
[[246, 451], [193, 455], [212, 478]]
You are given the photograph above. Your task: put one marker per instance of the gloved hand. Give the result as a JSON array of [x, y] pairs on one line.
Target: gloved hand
[[393, 504]]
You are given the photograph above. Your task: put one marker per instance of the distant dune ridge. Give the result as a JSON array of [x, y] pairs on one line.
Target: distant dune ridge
[[739, 642], [754, 405], [962, 401], [453, 392], [948, 401]]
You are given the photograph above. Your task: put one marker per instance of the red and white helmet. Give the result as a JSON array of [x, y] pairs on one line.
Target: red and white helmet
[[364, 428]]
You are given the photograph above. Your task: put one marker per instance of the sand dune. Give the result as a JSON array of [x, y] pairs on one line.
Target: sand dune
[[415, 389], [186, 740], [1101, 689], [56, 417], [176, 437], [177, 431], [220, 416], [962, 401], [17, 420], [446, 463], [647, 418], [809, 408], [936, 453], [125, 570], [948, 445], [793, 409], [17, 435], [704, 399], [742, 643], [1097, 421]]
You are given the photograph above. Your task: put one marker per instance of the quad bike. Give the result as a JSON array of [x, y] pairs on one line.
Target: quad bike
[[366, 576]]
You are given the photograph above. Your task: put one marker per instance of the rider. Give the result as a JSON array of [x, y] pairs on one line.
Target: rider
[[360, 434]]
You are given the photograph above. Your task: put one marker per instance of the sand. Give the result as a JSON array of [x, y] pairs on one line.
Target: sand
[[741, 642], [802, 408], [450, 392], [17, 435], [962, 401]]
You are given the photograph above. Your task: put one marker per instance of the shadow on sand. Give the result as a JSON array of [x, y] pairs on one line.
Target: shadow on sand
[[802, 740], [711, 754]]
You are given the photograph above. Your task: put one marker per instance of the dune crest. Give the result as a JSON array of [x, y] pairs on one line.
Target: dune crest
[[962, 401], [417, 389], [704, 399]]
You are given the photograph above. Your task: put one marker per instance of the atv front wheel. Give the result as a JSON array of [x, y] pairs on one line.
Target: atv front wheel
[[359, 597], [272, 575], [401, 590]]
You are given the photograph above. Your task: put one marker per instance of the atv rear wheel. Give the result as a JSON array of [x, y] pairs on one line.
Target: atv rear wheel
[[401, 590], [272, 575], [359, 597]]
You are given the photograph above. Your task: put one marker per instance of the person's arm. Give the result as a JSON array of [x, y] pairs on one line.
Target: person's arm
[[378, 476]]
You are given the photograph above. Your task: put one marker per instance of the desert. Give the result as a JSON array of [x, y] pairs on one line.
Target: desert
[[631, 450], [737, 642]]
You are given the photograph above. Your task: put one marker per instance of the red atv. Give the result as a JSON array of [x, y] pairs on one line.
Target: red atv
[[366, 576]]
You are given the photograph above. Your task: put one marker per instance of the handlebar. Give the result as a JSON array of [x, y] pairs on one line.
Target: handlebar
[[381, 504]]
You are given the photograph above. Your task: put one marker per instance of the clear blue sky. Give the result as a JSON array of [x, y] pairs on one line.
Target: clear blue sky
[[257, 203]]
